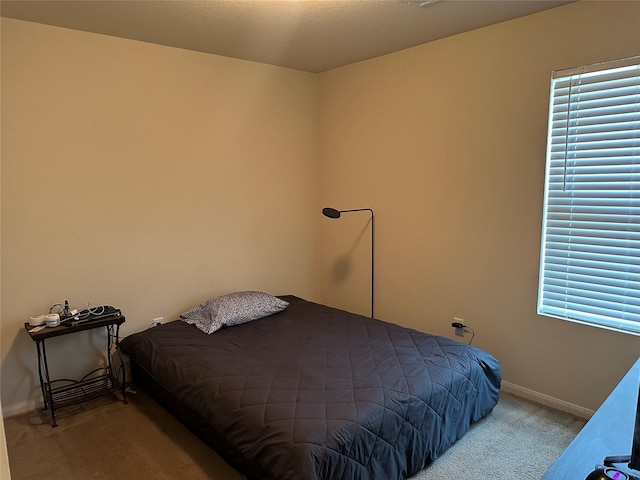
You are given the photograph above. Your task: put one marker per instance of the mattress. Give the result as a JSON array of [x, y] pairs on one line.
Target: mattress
[[317, 393]]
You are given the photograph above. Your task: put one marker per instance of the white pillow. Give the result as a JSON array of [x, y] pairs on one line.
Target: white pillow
[[232, 309]]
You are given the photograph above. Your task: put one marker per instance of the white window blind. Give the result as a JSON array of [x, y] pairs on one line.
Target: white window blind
[[590, 259]]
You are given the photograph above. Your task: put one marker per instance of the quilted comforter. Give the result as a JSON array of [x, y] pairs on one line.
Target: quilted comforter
[[317, 393]]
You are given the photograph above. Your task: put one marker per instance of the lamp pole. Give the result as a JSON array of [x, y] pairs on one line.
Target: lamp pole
[[333, 213]]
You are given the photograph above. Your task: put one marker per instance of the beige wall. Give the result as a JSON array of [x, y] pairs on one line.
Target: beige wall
[[446, 142], [146, 177], [4, 457], [5, 472]]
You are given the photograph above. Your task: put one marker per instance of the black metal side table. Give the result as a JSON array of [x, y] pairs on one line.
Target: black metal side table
[[97, 383]]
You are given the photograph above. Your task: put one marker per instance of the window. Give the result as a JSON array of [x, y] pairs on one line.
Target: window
[[590, 258]]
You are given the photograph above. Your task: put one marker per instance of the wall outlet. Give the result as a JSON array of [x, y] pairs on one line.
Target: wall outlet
[[157, 321], [458, 324]]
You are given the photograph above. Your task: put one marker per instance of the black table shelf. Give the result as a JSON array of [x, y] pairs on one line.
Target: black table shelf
[[63, 392]]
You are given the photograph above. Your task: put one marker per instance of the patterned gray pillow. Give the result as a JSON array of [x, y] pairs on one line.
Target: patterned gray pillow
[[232, 309]]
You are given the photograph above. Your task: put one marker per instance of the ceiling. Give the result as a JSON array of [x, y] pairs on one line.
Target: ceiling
[[309, 35]]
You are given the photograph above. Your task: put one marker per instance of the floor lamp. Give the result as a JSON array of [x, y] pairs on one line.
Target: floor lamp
[[333, 213]]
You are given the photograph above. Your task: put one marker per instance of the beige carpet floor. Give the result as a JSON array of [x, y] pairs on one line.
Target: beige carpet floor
[[142, 441]]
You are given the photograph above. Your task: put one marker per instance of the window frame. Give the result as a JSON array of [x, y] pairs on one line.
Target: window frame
[[567, 205]]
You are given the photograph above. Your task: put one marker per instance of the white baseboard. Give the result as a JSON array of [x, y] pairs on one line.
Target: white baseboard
[[21, 407], [547, 400], [532, 395]]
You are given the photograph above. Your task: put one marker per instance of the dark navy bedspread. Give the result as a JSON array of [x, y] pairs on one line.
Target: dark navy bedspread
[[317, 393]]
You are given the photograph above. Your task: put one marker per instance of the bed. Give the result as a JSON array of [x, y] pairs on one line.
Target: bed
[[316, 393]]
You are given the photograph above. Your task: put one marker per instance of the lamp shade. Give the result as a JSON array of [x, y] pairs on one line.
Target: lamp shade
[[331, 212]]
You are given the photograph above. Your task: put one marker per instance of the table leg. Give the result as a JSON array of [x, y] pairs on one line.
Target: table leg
[[110, 344], [42, 388], [47, 386]]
